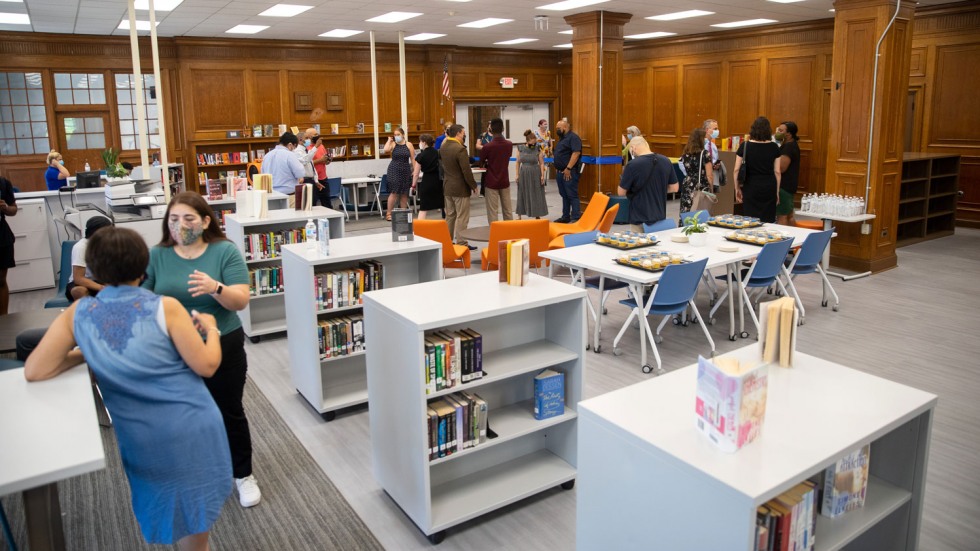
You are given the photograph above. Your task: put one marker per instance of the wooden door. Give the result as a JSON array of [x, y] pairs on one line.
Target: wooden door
[[84, 135]]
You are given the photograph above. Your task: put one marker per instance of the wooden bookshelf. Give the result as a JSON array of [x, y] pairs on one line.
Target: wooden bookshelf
[[927, 197], [338, 382], [524, 329]]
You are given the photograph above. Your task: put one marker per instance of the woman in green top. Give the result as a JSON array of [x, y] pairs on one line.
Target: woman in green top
[[197, 265]]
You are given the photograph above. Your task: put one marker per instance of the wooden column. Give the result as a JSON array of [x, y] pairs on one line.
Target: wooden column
[[858, 26], [598, 39]]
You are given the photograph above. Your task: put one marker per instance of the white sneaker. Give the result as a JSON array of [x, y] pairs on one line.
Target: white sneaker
[[249, 494]]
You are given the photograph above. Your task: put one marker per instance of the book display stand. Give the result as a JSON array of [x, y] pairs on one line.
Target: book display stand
[[524, 330]]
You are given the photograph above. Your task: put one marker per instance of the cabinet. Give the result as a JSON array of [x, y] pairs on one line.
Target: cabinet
[[338, 382], [266, 313], [927, 197], [31, 249], [643, 462], [524, 330]]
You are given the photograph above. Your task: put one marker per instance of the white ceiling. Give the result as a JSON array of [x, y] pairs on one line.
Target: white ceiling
[[211, 18]]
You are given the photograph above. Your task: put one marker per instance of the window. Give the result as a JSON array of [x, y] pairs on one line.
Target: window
[[128, 124], [23, 121], [79, 88], [84, 133]]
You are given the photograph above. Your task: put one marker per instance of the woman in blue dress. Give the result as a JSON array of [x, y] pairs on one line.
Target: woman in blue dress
[[149, 355], [399, 170]]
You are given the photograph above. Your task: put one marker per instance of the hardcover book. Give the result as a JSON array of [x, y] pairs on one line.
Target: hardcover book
[[730, 401], [513, 258], [304, 197], [549, 394], [214, 189], [401, 225], [845, 483]]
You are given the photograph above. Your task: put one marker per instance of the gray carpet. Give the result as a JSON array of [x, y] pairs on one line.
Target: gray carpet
[[300, 509]]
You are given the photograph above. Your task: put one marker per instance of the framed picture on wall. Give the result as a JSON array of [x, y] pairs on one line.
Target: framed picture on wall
[[303, 101], [335, 101]]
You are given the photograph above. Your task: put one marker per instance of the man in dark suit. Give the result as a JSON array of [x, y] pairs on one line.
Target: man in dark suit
[[458, 182]]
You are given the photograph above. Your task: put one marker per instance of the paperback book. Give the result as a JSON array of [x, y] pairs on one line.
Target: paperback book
[[730, 401], [777, 339], [549, 394], [401, 225], [513, 258], [845, 483]]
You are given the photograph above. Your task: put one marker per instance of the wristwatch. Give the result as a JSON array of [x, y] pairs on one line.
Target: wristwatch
[[218, 290]]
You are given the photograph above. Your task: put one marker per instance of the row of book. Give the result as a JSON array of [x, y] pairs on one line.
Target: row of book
[[456, 422], [343, 288], [203, 177], [233, 157], [452, 358], [220, 214], [265, 281], [340, 336], [788, 522], [262, 246]]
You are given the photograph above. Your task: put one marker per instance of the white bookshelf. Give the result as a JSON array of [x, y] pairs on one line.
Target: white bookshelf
[[266, 314], [339, 382], [524, 329], [647, 474]]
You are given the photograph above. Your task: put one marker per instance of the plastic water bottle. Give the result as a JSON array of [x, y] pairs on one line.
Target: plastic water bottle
[[310, 234], [87, 168]]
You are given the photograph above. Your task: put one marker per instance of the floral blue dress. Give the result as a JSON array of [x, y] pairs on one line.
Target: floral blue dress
[[171, 436]]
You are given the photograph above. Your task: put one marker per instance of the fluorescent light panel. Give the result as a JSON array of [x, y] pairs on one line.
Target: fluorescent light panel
[[570, 5], [13, 1], [394, 17], [285, 10], [424, 36], [785, 1], [680, 15], [563, 46], [15, 19], [569, 31], [340, 33], [158, 5], [657, 34], [140, 25], [484, 23], [746, 23], [516, 41], [247, 29]]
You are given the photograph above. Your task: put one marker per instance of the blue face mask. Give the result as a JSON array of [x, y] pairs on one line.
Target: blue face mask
[[629, 137], [714, 134], [307, 142], [61, 162]]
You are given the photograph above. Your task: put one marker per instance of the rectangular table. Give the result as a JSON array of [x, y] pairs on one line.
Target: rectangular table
[[362, 182], [49, 431], [828, 224]]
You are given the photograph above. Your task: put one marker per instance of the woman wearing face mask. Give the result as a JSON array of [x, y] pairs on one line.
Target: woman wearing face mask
[[631, 132], [426, 177], [56, 174], [531, 178], [789, 165], [195, 264], [759, 193], [399, 170]]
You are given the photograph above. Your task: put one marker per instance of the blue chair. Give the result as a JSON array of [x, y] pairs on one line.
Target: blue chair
[[10, 363], [663, 225], [807, 261], [337, 192], [763, 273], [59, 300], [383, 194], [673, 295], [702, 216], [601, 283], [669, 224]]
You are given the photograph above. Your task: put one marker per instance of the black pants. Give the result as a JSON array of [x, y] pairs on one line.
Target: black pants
[[227, 386], [322, 196]]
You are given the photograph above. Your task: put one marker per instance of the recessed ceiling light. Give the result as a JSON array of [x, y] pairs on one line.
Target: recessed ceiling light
[[570, 4], [657, 34], [394, 17], [285, 10], [158, 5], [424, 36], [563, 45], [832, 10], [340, 33], [247, 29], [516, 41], [13, 1], [746, 23], [484, 23], [785, 1], [15, 18], [140, 25], [680, 15], [569, 31]]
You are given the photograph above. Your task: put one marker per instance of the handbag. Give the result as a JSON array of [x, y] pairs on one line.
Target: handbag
[[743, 171], [702, 200]]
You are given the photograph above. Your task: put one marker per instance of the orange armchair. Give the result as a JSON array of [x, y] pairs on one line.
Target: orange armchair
[[604, 226], [453, 256], [536, 231], [589, 221]]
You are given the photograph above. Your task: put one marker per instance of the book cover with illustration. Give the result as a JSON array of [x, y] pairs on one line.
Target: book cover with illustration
[[549, 394], [845, 483], [730, 401]]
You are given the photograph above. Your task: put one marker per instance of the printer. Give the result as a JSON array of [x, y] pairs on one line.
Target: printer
[[135, 199]]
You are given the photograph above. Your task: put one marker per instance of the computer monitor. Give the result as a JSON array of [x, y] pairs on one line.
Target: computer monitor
[[84, 180]]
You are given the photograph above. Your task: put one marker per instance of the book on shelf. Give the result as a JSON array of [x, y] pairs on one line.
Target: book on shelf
[[513, 259], [340, 336], [778, 321], [846, 483], [401, 225], [221, 216], [265, 281], [304, 197], [267, 131], [367, 150], [788, 522], [268, 245], [294, 129], [730, 401], [451, 358], [335, 128], [262, 182], [359, 127], [257, 131], [455, 422], [215, 190], [236, 184], [354, 150], [549, 394], [252, 203], [345, 287], [323, 236]]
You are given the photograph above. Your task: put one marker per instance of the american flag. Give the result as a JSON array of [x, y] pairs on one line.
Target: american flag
[[445, 75]]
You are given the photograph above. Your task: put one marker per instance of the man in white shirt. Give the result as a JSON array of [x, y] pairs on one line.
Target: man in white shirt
[[284, 166], [80, 282]]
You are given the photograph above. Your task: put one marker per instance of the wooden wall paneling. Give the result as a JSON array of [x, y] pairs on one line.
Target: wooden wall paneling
[[698, 102], [361, 108], [466, 81], [218, 99], [855, 99], [264, 97], [565, 103], [319, 84], [954, 104], [790, 83], [665, 101], [543, 83], [637, 100], [744, 96]]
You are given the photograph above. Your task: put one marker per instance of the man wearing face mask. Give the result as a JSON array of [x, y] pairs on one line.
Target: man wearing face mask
[[284, 166], [319, 159], [302, 153], [568, 150]]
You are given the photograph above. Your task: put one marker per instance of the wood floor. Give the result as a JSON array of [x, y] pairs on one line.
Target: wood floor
[[916, 324]]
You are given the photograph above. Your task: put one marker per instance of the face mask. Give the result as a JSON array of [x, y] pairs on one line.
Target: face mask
[[629, 137], [184, 235], [61, 162], [560, 133], [315, 138], [532, 144], [421, 146], [307, 142], [398, 139], [714, 134], [779, 136]]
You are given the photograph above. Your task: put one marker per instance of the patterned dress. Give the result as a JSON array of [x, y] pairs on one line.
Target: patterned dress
[[400, 170], [171, 436], [694, 167], [530, 192]]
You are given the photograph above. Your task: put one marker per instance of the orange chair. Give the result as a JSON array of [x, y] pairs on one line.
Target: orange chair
[[604, 226], [809, 224], [453, 256], [253, 168], [589, 221], [534, 230]]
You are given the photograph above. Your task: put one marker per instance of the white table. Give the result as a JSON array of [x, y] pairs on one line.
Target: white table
[[49, 431], [646, 474], [362, 182], [828, 224]]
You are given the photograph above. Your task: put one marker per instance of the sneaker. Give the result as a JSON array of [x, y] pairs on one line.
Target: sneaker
[[561, 220], [249, 494], [471, 247]]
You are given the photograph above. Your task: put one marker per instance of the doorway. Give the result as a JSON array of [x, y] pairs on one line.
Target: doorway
[[83, 136]]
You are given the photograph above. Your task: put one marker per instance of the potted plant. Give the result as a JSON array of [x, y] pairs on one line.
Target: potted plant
[[695, 230], [113, 168]]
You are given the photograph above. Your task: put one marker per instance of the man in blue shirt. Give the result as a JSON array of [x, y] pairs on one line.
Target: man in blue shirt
[[285, 168], [442, 136], [568, 151], [646, 180]]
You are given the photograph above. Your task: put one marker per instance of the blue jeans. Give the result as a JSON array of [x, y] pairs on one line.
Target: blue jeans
[[568, 190]]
